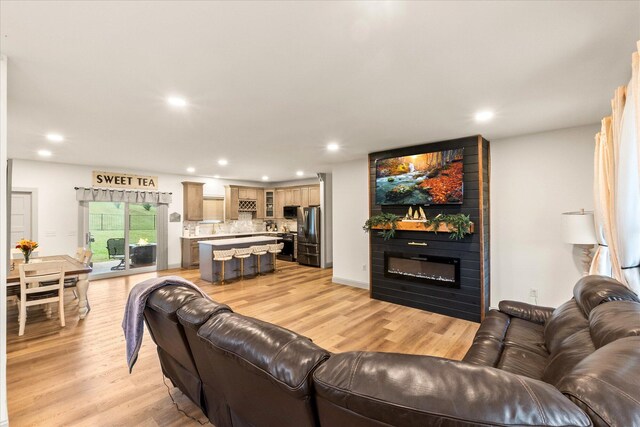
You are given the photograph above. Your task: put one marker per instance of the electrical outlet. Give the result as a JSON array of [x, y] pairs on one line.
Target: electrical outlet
[[533, 293]]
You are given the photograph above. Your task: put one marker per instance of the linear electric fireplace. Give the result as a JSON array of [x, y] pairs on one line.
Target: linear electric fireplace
[[434, 270]]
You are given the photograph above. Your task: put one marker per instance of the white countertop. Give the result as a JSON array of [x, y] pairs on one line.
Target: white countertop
[[227, 235], [240, 241]]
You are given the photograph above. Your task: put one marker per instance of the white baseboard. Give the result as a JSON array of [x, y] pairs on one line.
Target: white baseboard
[[4, 423], [349, 282], [171, 266]]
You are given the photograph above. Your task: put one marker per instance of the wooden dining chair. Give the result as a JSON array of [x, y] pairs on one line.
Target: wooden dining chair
[[34, 292], [84, 256]]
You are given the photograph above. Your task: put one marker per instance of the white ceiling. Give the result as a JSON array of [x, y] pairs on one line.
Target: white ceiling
[[270, 83]]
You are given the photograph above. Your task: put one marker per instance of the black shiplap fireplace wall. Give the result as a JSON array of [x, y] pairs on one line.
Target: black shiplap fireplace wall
[[471, 300]]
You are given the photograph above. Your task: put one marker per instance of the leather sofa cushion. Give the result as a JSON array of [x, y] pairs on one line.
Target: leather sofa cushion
[[288, 358], [484, 352], [570, 352], [197, 312], [565, 321], [606, 385], [614, 320], [525, 334], [410, 390], [494, 325], [591, 291], [521, 361]]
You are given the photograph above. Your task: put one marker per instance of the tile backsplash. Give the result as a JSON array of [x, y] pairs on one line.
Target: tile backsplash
[[194, 228]]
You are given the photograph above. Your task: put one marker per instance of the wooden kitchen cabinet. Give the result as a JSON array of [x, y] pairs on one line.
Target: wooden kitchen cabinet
[[295, 197], [314, 195], [269, 203], [304, 197], [260, 211], [288, 197], [280, 199], [191, 253], [231, 198], [192, 201], [246, 193]]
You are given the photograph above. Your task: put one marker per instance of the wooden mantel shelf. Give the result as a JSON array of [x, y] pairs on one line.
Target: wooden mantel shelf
[[419, 226]]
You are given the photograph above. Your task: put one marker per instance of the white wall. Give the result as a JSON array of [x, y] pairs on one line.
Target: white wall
[[534, 178], [4, 416], [350, 211], [58, 208]]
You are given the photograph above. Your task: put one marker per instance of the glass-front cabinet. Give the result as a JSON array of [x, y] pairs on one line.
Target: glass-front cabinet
[[269, 201]]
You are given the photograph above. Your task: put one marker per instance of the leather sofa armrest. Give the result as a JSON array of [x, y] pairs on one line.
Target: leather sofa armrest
[[522, 310], [409, 390]]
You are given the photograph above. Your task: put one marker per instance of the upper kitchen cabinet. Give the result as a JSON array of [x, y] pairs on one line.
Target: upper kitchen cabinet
[[192, 201], [304, 197], [288, 197], [280, 202], [314, 195], [231, 202], [295, 197], [269, 203], [245, 193], [260, 208]]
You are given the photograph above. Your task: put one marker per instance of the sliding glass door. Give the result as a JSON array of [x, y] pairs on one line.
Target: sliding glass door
[[122, 236]]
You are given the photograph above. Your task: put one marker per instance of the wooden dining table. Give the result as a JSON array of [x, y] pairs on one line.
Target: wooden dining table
[[72, 267]]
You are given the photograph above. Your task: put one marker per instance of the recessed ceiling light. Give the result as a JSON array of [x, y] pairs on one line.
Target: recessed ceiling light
[[176, 101], [55, 137], [265, 178], [483, 116], [333, 146], [300, 173], [223, 162], [191, 169], [216, 176], [44, 153]]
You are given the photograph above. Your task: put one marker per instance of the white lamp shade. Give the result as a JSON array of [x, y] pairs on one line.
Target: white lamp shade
[[578, 228]]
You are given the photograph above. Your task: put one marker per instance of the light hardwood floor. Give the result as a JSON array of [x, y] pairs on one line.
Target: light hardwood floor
[[77, 375]]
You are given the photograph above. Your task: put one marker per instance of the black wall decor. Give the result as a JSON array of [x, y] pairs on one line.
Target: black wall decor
[[471, 300]]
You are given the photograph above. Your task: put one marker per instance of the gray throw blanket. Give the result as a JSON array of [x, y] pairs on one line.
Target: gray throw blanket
[[133, 323]]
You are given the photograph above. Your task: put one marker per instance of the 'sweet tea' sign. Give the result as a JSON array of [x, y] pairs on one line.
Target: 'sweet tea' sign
[[125, 181]]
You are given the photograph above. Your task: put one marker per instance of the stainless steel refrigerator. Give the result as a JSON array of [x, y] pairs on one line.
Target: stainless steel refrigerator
[[309, 236]]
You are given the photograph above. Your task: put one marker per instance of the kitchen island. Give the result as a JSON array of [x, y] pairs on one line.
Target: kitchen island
[[209, 270]]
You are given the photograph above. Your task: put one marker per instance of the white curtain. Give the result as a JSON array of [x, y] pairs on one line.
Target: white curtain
[[603, 193], [627, 189], [617, 186], [132, 196]]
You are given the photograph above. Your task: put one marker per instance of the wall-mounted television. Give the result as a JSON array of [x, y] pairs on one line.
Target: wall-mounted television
[[421, 179]]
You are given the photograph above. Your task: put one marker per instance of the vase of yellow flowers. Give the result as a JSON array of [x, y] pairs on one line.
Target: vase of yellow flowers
[[26, 247]]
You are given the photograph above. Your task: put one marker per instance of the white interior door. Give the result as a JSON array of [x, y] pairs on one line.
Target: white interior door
[[20, 216]]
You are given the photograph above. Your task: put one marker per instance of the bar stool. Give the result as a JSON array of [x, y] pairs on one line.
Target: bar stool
[[259, 251], [223, 256], [274, 250], [242, 254]]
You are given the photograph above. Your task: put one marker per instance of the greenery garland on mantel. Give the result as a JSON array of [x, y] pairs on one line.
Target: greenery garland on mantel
[[459, 224]]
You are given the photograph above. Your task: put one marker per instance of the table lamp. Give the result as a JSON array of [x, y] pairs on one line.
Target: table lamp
[[578, 229]]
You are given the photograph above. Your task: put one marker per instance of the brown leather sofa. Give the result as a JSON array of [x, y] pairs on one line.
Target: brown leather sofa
[[577, 365]]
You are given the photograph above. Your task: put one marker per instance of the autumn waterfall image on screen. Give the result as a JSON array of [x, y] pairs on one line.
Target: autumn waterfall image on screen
[[421, 179]]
